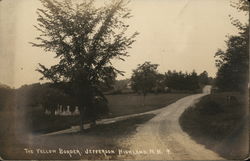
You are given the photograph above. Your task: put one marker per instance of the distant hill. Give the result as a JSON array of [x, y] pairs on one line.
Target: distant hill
[[6, 96], [4, 86], [121, 84]]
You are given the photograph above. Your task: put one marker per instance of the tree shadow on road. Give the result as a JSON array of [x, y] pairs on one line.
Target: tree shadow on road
[[117, 129], [103, 136]]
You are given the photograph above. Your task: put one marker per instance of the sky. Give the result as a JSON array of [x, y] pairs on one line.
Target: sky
[[176, 34]]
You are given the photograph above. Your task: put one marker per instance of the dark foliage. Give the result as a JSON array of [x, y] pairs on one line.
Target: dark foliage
[[233, 63], [182, 81], [6, 96], [84, 39], [144, 78]]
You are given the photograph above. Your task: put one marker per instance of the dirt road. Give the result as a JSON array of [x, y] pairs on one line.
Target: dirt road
[[162, 138]]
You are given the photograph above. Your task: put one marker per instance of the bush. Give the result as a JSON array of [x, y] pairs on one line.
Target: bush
[[211, 108], [214, 118]]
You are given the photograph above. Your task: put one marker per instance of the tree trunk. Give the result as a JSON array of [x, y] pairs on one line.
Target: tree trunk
[[93, 123], [93, 114], [81, 124], [52, 110], [144, 95], [82, 111]]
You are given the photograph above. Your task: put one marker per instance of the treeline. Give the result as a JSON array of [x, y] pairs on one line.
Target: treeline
[[35, 94], [186, 81], [30, 102], [146, 79]]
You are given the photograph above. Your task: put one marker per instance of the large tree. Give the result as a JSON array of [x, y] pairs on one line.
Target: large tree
[[144, 78], [84, 39], [233, 63]]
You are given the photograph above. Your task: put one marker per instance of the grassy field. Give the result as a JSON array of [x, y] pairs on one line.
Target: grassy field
[[119, 105], [214, 120], [99, 137], [125, 104]]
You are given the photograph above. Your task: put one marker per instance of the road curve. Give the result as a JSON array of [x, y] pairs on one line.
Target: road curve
[[163, 133]]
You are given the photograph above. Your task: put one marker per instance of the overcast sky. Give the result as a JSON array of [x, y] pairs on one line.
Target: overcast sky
[[177, 34]]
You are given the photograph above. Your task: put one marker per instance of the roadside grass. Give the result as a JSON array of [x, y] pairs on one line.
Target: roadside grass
[[106, 137], [119, 105], [214, 119], [7, 130]]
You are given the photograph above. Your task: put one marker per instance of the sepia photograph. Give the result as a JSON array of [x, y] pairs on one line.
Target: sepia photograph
[[124, 79]]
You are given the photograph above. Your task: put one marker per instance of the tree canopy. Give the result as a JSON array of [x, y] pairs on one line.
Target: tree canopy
[[233, 62], [84, 38], [144, 78]]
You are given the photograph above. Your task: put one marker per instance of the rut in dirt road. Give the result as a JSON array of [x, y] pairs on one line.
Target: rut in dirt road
[[162, 138]]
